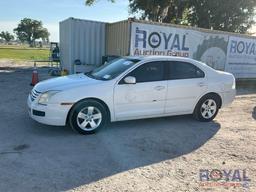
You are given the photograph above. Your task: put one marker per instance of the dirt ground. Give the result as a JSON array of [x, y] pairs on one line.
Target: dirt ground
[[161, 154]]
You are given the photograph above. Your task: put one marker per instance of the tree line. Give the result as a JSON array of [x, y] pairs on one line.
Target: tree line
[[228, 15], [27, 31], [225, 15]]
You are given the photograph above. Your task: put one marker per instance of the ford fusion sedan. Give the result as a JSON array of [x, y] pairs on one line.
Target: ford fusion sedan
[[132, 88]]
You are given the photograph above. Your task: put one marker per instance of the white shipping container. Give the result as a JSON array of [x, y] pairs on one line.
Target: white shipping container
[[90, 40], [83, 40]]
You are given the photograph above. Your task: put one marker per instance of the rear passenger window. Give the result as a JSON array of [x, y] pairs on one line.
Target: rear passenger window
[[184, 70]]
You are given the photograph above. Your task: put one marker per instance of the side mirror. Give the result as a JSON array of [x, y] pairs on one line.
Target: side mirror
[[130, 80]]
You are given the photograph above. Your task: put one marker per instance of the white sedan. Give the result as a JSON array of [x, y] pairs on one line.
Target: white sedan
[[132, 88]]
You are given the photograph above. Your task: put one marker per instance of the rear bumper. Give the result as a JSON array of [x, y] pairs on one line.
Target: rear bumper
[[51, 114], [228, 97]]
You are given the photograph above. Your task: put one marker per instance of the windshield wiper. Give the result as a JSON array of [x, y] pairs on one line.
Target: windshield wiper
[[89, 74]]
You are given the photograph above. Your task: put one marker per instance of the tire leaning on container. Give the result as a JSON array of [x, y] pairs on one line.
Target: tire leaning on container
[[88, 116], [207, 108]]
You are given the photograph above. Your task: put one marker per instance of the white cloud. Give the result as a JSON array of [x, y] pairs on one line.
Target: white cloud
[[8, 25], [53, 28], [252, 30]]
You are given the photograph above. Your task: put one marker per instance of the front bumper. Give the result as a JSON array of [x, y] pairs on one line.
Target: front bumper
[[51, 114]]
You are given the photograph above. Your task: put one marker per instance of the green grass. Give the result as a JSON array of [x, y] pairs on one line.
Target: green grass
[[23, 53]]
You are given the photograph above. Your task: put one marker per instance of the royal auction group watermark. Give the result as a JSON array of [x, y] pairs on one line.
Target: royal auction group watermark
[[224, 177]]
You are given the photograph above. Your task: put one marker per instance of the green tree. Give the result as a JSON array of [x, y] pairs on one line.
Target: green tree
[[154, 10], [170, 11], [30, 30], [6, 36], [228, 15], [91, 2]]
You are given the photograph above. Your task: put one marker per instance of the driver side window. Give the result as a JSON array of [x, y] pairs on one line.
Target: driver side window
[[148, 72]]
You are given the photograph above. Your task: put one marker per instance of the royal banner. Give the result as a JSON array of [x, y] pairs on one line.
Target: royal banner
[[149, 39], [241, 57], [159, 40], [229, 53]]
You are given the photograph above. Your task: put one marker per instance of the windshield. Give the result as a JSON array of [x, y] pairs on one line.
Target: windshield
[[112, 69]]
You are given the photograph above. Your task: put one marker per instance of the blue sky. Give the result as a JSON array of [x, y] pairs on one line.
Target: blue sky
[[51, 12]]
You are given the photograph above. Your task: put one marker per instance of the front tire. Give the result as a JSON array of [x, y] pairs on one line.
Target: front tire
[[207, 108], [88, 116]]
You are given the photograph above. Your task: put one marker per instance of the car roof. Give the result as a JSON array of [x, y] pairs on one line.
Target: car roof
[[154, 57], [174, 58]]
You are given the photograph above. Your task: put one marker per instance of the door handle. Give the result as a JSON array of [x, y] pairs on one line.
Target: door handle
[[159, 88], [201, 84]]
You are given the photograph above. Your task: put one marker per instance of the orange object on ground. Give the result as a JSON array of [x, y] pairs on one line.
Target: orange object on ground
[[35, 79]]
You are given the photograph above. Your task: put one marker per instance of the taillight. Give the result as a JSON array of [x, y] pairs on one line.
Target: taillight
[[234, 83]]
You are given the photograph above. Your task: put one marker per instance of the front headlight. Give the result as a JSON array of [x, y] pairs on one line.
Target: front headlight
[[45, 97]]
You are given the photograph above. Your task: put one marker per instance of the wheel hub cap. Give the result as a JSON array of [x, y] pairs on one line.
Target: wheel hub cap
[[89, 118], [208, 108]]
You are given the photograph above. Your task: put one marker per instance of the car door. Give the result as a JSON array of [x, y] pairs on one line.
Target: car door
[[186, 83], [144, 98]]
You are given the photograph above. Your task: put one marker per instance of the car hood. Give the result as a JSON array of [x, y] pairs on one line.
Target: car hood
[[64, 83]]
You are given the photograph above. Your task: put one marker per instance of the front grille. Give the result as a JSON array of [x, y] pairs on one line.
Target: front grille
[[38, 113], [34, 94]]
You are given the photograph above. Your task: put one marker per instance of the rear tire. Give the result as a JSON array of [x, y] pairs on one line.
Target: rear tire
[[207, 108], [88, 116]]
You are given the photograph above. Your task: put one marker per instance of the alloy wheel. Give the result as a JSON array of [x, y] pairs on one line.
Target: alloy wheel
[[208, 108], [89, 118]]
